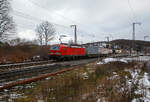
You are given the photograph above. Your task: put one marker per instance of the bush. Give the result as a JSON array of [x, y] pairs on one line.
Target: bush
[[19, 53]]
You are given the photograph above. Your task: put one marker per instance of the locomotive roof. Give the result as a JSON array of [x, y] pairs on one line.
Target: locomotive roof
[[65, 45], [61, 45]]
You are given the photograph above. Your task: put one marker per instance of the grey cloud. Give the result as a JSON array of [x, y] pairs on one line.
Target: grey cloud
[[97, 17]]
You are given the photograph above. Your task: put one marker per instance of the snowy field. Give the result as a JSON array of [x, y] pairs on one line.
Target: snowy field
[[142, 82]]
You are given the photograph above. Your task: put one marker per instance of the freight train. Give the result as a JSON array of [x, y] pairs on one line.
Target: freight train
[[70, 52]]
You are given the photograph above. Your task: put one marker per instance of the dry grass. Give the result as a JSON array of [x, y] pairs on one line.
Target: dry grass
[[72, 87]]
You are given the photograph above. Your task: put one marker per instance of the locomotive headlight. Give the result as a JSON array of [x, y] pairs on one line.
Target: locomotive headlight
[[57, 53]]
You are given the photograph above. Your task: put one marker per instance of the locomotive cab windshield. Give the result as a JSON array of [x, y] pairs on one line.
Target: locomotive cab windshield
[[54, 48]]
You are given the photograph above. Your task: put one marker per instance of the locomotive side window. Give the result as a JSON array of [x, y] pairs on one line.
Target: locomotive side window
[[54, 48]]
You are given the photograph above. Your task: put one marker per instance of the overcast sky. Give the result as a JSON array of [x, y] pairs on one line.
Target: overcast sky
[[95, 19]]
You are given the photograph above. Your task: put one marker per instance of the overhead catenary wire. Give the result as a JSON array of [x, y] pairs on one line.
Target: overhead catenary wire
[[32, 18], [35, 20], [62, 16], [132, 11]]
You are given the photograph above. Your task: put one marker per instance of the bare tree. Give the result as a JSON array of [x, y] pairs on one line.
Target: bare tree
[[45, 32], [7, 26], [39, 33]]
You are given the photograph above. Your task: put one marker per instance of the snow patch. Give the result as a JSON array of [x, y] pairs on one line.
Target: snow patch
[[108, 60], [100, 62], [140, 58], [143, 85], [85, 75], [98, 100], [144, 88]]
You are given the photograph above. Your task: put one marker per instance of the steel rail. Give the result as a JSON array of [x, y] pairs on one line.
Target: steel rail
[[52, 69]]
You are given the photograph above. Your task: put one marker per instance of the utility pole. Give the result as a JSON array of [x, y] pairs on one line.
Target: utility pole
[[134, 23], [145, 37], [75, 33], [107, 40]]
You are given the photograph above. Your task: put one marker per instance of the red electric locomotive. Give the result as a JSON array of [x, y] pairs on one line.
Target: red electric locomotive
[[64, 52]]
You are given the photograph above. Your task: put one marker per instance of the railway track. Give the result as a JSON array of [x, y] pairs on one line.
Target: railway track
[[27, 74], [32, 71], [21, 71], [15, 66]]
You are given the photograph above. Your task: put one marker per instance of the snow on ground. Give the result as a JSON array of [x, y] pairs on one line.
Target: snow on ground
[[140, 58], [142, 82], [98, 100], [143, 85], [143, 88], [85, 75], [125, 60], [107, 60]]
